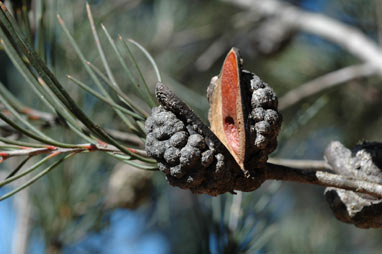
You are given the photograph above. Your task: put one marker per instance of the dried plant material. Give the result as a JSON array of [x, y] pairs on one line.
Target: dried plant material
[[244, 127], [363, 163], [226, 115], [243, 114], [189, 153]]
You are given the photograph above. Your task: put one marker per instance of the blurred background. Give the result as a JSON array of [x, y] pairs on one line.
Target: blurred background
[[95, 204]]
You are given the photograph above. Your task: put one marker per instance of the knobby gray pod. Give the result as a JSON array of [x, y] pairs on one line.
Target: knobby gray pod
[[232, 155], [364, 162]]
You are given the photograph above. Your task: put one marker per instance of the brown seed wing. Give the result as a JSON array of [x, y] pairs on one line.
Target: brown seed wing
[[226, 110]]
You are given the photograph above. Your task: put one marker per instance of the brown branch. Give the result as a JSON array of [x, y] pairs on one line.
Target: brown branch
[[283, 173], [34, 114], [55, 150], [324, 82]]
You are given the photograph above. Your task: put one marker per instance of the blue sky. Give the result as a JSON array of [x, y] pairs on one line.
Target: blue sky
[[7, 223]]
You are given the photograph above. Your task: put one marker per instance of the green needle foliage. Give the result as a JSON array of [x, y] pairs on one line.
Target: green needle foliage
[[48, 88]]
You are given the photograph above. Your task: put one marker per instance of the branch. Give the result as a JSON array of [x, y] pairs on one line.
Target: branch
[[279, 172], [345, 36], [33, 114], [315, 165], [55, 150], [212, 53], [324, 82]]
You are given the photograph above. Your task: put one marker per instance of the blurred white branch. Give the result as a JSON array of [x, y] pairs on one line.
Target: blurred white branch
[[21, 233], [212, 53], [302, 164], [324, 82], [235, 211], [343, 35]]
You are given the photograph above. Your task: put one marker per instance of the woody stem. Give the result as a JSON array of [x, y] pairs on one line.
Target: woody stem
[[284, 173]]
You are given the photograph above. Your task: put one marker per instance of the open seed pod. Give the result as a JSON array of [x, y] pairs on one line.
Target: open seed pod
[[243, 114], [364, 162], [189, 153], [244, 126]]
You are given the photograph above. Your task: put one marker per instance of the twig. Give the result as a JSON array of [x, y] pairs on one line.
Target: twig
[[279, 172], [54, 150], [33, 114], [326, 81], [316, 165], [345, 36]]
